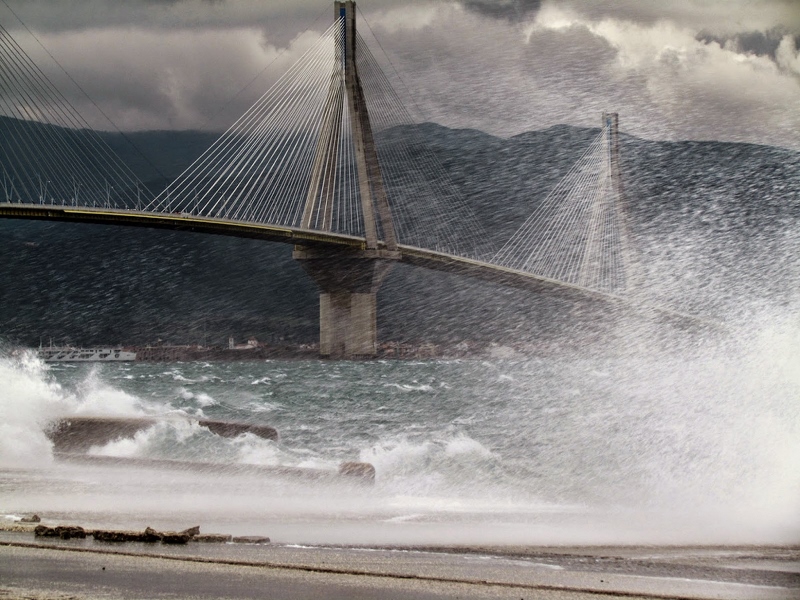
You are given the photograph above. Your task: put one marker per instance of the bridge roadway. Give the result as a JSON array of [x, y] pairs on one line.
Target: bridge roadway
[[420, 257]]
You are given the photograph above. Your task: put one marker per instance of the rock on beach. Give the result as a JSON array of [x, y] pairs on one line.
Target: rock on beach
[[149, 535], [64, 532]]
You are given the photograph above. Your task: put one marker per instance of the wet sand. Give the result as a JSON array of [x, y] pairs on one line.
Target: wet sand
[[44, 568]]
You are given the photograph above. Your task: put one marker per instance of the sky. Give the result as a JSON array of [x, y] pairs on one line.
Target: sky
[[673, 69]]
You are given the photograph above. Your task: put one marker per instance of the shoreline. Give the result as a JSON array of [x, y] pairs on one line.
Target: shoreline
[[442, 571], [468, 350], [11, 526]]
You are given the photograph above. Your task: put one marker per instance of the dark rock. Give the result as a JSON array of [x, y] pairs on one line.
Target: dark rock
[[67, 532], [231, 430], [44, 531], [78, 434], [250, 539], [31, 519], [105, 535], [360, 470], [149, 535], [212, 538], [192, 531], [174, 537]]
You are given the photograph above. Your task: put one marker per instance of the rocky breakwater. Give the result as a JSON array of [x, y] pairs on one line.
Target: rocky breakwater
[[80, 433], [149, 535], [64, 532], [362, 472]]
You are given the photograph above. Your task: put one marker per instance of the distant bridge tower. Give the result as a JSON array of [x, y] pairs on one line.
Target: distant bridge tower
[[627, 248], [611, 122], [348, 279], [579, 233]]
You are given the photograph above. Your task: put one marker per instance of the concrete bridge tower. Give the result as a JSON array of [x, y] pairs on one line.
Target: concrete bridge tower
[[611, 121], [348, 280]]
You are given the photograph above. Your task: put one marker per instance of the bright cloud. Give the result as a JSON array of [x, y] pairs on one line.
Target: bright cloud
[[718, 69], [411, 18], [788, 55], [177, 80], [677, 85]]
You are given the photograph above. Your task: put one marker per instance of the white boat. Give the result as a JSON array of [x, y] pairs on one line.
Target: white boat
[[71, 354]]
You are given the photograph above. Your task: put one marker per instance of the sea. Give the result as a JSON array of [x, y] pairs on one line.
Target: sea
[[650, 444]]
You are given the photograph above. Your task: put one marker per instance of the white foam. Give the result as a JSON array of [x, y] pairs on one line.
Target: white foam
[[461, 445], [126, 447], [410, 388], [254, 450], [431, 465], [97, 398], [27, 400], [30, 400], [200, 398]]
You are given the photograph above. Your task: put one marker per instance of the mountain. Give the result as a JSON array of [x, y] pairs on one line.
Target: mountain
[[714, 222]]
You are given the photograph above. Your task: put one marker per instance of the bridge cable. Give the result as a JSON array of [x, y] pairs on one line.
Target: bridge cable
[[576, 234], [88, 97], [80, 151], [406, 169]]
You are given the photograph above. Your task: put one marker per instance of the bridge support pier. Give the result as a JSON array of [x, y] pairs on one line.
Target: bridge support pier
[[348, 282]]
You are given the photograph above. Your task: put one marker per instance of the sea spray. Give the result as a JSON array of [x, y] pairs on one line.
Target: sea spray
[[28, 399], [97, 398], [685, 443], [31, 399]]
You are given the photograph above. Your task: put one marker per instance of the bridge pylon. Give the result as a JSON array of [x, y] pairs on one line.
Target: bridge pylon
[[611, 123], [348, 280]]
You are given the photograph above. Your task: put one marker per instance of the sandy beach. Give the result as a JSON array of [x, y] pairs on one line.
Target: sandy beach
[[47, 568]]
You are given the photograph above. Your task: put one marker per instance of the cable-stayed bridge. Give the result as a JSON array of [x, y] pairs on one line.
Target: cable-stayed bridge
[[320, 162]]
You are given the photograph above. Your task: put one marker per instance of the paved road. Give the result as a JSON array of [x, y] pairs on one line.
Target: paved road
[[85, 569]]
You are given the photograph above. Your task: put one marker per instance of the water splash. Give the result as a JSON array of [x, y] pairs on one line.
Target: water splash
[[696, 443], [26, 400]]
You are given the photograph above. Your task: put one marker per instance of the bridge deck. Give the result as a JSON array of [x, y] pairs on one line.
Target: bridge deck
[[184, 222], [177, 222], [419, 257]]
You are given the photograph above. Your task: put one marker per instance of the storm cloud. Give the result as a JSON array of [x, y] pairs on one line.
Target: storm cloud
[[512, 10], [760, 43], [676, 69]]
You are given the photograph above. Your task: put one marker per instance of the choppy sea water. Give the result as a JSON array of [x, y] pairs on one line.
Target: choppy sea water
[[645, 447]]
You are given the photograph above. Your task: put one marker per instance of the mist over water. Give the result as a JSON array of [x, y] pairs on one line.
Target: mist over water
[[644, 442]]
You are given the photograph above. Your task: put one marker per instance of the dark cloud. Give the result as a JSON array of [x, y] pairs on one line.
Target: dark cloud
[[721, 17], [511, 10], [503, 66], [759, 43], [82, 15]]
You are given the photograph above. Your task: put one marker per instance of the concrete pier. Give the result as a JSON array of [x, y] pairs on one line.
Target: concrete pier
[[348, 283]]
